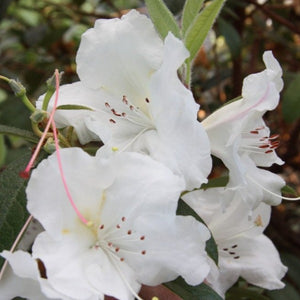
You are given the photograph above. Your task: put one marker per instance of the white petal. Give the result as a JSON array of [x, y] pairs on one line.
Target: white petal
[[186, 256], [46, 181], [120, 55], [261, 263], [174, 114]]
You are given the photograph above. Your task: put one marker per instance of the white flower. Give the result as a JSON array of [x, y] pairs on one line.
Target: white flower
[[237, 131], [244, 251], [129, 78], [133, 237]]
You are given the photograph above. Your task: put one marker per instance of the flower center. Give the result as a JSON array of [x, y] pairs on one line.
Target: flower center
[[258, 141], [120, 241]]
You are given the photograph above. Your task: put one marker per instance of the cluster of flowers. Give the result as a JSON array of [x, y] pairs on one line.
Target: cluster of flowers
[[115, 226]]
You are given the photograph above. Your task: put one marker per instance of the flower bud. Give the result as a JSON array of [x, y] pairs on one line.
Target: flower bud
[[17, 87], [49, 147], [38, 116]]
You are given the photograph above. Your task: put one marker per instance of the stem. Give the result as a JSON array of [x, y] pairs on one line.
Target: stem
[[47, 98], [27, 103]]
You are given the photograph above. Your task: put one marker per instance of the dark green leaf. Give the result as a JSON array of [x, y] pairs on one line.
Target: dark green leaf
[[289, 190], [237, 293], [287, 293], [291, 100], [211, 247], [27, 135], [187, 292], [215, 182], [198, 30], [231, 36], [13, 213], [162, 18], [190, 11]]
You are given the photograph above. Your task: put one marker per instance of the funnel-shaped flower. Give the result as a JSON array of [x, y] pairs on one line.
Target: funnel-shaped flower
[[244, 251], [133, 237], [129, 79], [237, 129]]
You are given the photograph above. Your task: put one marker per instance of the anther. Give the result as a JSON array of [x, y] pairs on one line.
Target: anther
[[125, 100], [112, 121], [115, 113], [268, 151], [274, 137], [254, 132], [264, 146]]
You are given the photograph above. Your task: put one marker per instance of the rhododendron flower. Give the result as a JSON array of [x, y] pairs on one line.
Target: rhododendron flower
[[128, 77], [237, 130], [244, 251], [133, 236]]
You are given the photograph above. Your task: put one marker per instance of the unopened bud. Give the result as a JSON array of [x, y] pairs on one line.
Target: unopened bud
[[38, 116], [17, 87], [51, 82], [49, 147]]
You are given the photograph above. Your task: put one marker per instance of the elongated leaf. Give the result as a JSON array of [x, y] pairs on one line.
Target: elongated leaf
[[187, 292], [198, 30], [215, 182], [27, 135], [237, 293], [291, 101], [162, 18], [231, 36], [288, 190], [13, 213], [211, 247], [190, 11], [74, 106]]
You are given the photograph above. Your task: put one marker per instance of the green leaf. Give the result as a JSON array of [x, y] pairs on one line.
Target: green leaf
[[291, 101], [238, 293], [287, 293], [27, 135], [215, 182], [3, 150], [198, 30], [162, 18], [211, 247], [187, 292], [289, 190], [190, 11], [13, 212], [231, 36], [73, 106]]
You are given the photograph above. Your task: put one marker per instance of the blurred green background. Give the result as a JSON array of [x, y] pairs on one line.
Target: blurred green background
[[37, 36]]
